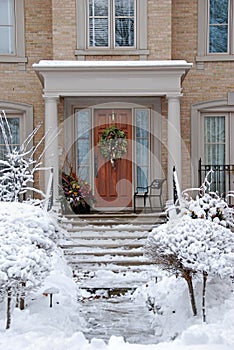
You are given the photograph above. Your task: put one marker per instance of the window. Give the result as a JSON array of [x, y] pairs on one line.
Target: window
[[214, 140], [13, 136], [142, 146], [215, 30], [111, 23], [6, 27], [83, 143], [218, 26], [12, 46], [111, 27]]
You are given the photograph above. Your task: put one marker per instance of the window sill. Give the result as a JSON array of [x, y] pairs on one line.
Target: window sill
[[215, 58], [112, 52], [20, 61]]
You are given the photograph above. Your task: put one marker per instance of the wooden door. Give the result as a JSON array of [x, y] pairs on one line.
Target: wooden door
[[113, 182]]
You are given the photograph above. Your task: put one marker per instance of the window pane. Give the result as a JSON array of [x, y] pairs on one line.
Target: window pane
[[142, 146], [6, 27], [218, 26], [124, 8], [6, 12], [218, 39], [6, 40], [218, 11], [124, 32], [83, 144], [98, 8], [98, 32], [214, 140], [14, 135]]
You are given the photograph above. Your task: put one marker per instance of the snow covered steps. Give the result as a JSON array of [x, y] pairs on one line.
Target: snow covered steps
[[109, 242]]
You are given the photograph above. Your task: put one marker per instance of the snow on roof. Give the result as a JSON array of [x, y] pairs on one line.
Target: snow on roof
[[100, 64]]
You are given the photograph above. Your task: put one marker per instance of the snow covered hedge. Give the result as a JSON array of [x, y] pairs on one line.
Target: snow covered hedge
[[27, 237]]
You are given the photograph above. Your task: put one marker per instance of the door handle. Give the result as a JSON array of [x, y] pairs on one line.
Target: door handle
[[96, 165]]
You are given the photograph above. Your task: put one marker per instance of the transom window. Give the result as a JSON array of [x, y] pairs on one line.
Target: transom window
[[111, 23]]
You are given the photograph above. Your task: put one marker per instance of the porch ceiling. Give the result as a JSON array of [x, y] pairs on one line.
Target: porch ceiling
[[111, 78]]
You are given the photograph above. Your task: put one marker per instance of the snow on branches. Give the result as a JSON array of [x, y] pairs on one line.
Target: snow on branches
[[192, 245], [207, 205], [197, 241], [18, 167], [26, 246]]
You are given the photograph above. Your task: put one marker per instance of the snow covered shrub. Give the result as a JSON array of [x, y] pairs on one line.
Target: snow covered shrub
[[186, 247], [26, 247], [207, 205], [18, 167]]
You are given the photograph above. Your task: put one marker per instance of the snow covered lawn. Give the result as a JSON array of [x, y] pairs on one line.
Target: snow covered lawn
[[40, 327]]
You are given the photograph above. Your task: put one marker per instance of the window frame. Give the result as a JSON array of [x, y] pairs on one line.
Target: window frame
[[19, 36], [223, 107], [203, 53], [111, 18], [141, 45]]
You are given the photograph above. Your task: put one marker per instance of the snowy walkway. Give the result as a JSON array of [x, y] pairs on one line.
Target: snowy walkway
[[120, 316], [109, 265]]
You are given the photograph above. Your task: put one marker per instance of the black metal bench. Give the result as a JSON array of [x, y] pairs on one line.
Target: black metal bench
[[154, 190]]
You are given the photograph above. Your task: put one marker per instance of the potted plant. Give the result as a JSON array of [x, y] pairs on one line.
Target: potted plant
[[77, 192]]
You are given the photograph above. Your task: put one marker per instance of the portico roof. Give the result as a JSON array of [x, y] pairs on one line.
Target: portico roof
[[111, 78]]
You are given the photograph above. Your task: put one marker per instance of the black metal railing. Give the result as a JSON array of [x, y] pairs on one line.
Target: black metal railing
[[221, 178]]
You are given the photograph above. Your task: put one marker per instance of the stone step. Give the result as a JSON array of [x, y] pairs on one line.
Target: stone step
[[73, 227], [103, 252], [110, 234], [107, 243], [120, 260]]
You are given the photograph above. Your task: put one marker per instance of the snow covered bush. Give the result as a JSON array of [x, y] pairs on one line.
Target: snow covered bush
[[187, 247], [26, 246], [207, 205], [18, 167]]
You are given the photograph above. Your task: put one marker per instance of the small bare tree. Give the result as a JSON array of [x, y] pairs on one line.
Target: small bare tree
[[18, 167]]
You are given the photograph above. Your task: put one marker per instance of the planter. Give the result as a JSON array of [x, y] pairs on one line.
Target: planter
[[81, 209]]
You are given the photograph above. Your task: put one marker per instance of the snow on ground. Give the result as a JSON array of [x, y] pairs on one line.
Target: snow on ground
[[40, 327]]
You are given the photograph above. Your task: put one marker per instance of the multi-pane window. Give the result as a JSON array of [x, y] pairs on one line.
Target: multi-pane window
[[219, 12], [111, 23], [142, 146], [7, 40]]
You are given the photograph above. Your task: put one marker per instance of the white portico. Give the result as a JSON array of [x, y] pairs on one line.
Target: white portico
[[95, 79]]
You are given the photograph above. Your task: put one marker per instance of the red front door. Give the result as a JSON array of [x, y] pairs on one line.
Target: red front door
[[113, 180]]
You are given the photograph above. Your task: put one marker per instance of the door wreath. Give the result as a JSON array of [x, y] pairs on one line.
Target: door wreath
[[113, 144]]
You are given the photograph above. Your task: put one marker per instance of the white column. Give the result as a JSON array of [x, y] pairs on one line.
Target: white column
[[51, 142], [173, 141]]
